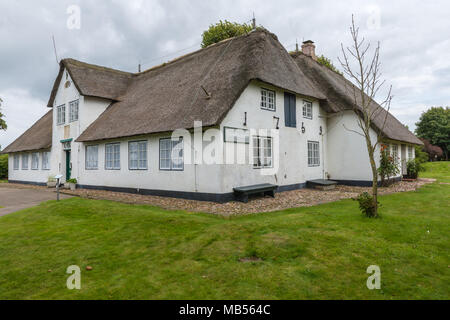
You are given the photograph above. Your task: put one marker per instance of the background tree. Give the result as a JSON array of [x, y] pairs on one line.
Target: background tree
[[224, 30], [433, 152], [434, 126], [3, 125], [367, 78]]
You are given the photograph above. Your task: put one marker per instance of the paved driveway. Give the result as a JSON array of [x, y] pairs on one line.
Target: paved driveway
[[13, 199]]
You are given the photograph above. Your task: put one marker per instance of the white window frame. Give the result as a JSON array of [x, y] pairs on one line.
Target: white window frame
[[313, 154], [46, 160], [91, 162], [138, 151], [25, 163], [16, 162], [35, 161], [73, 110], [112, 156], [268, 99], [61, 114], [394, 153], [171, 154], [262, 147], [307, 109], [410, 152]]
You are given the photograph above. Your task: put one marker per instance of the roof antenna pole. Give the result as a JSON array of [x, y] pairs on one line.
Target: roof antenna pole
[[254, 21], [54, 47], [139, 67], [296, 45]]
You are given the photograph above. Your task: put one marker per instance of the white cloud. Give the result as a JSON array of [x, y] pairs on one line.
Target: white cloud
[[120, 34], [21, 111]]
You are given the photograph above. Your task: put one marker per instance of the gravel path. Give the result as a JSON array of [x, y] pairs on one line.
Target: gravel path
[[283, 200]]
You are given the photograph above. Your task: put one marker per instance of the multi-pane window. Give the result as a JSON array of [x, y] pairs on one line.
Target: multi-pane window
[[262, 152], [112, 156], [313, 154], [34, 161], [395, 153], [171, 154], [267, 99], [91, 157], [45, 160], [307, 109], [410, 152], [25, 161], [73, 111], [61, 114], [137, 155], [16, 162]]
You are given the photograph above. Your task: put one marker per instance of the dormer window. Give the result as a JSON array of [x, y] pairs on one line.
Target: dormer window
[[307, 109], [267, 99], [73, 111], [61, 114]]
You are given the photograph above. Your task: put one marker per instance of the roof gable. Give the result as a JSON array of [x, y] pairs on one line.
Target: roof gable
[[92, 80]]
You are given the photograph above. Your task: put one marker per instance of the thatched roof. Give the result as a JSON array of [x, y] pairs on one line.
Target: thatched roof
[[170, 96], [203, 85], [93, 80], [38, 137], [339, 96]]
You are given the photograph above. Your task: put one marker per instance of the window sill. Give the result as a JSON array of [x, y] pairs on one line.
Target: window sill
[[267, 109]]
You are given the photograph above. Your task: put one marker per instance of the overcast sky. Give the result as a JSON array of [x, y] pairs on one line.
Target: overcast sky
[[414, 36]]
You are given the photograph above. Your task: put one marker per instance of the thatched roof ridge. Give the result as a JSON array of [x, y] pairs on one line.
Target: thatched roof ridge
[[37, 137], [338, 91]]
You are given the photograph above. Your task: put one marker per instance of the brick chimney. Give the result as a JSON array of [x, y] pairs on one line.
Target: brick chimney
[[309, 49]]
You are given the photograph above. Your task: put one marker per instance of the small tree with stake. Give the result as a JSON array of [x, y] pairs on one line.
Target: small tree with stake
[[367, 78]]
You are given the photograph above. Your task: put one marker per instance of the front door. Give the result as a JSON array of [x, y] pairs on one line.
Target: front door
[[68, 168]]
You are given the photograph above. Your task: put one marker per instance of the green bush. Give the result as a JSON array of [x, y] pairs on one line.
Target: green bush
[[73, 180], [4, 166], [413, 167], [366, 204], [421, 155]]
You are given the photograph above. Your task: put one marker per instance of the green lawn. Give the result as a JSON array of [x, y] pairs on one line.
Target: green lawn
[[437, 170], [142, 252]]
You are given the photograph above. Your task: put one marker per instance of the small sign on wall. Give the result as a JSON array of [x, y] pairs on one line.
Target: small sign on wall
[[236, 135]]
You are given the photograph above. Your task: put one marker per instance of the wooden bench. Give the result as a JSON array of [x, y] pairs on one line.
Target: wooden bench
[[242, 193]]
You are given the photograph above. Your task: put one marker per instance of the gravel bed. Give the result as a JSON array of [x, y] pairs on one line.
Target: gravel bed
[[283, 200]]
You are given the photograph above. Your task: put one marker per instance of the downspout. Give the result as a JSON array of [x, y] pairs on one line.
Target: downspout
[[323, 157]]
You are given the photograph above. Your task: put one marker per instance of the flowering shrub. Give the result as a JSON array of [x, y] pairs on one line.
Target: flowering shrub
[[388, 167]]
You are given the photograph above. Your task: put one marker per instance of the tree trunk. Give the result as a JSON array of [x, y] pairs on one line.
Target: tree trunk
[[373, 165]]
